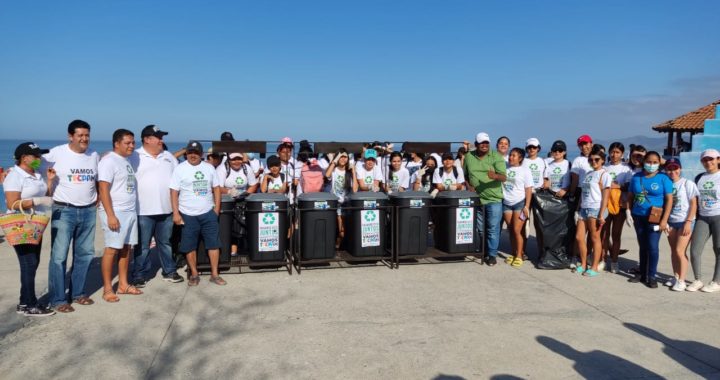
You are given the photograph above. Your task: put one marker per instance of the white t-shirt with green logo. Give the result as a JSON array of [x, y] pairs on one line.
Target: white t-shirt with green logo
[[558, 173], [274, 183], [339, 178], [537, 169], [683, 192], [398, 179], [367, 177], [237, 179], [195, 185], [446, 178], [620, 173], [518, 178], [116, 170], [709, 188]]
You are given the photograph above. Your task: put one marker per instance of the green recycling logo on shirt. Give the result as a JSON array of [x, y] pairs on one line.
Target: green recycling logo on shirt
[[370, 216], [511, 173], [368, 180], [268, 218], [708, 185], [199, 175], [557, 170], [447, 182], [465, 214], [533, 167], [613, 175], [240, 181]]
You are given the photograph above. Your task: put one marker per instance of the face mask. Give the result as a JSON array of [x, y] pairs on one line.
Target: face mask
[[651, 168], [34, 164], [250, 156]]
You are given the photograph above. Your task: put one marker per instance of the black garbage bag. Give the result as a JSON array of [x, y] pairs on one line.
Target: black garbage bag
[[556, 220]]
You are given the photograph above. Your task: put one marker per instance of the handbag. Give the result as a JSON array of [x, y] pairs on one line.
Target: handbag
[[655, 212], [23, 227]]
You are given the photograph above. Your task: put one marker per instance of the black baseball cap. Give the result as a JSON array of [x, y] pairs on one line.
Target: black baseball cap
[[227, 136], [152, 130], [558, 145], [28, 149], [194, 146]]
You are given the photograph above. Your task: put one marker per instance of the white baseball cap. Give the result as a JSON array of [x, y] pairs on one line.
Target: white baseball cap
[[710, 153], [482, 137], [532, 142]]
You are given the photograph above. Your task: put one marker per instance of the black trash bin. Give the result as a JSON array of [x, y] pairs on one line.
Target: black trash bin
[[366, 232], [225, 220], [455, 230], [267, 222], [318, 225], [412, 218]]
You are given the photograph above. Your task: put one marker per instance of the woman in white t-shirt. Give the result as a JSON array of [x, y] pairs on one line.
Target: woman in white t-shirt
[[681, 222], [517, 193], [398, 177], [557, 172], [502, 145], [422, 179], [340, 177], [621, 174], [449, 176], [593, 211], [25, 188], [367, 178], [708, 220], [236, 176]]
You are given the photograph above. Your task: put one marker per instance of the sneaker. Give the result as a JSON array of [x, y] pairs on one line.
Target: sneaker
[[614, 267], [679, 286], [695, 286], [490, 260], [590, 273], [174, 278], [652, 283], [38, 311], [601, 266], [20, 309], [712, 287], [139, 283], [671, 282], [636, 279]]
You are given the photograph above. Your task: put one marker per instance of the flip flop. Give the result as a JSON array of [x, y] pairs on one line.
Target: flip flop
[[130, 290], [84, 300], [64, 308], [110, 296]]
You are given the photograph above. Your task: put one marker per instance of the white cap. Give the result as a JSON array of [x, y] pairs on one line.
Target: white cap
[[482, 137], [532, 141], [710, 153], [235, 155]]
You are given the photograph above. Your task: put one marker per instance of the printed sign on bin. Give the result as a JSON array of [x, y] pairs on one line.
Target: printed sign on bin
[[463, 225], [268, 232], [370, 228]]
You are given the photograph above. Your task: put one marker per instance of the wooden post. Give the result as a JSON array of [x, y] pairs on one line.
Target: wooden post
[[669, 149]]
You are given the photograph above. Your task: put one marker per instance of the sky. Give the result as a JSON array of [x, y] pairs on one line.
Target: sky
[[362, 70]]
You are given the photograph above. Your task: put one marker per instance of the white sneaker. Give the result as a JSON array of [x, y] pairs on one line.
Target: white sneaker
[[679, 286], [601, 266], [614, 267], [712, 287], [695, 286]]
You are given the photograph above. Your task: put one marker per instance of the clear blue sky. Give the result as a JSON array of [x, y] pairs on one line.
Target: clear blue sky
[[356, 70]]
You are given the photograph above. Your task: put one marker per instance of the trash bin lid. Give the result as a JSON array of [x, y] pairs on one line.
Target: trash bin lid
[[317, 197], [457, 194], [227, 198], [411, 194], [367, 196], [267, 197]]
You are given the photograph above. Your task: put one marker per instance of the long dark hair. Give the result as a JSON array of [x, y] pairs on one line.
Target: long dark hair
[[633, 149], [348, 169], [427, 177]]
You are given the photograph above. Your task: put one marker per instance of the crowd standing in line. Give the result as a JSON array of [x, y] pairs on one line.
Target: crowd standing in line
[[139, 194]]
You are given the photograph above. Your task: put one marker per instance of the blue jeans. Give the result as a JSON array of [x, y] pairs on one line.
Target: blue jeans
[[648, 240], [492, 212], [159, 226], [29, 258], [68, 224]]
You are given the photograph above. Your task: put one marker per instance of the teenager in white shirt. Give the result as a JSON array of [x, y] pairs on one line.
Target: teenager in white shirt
[[680, 222], [422, 179], [195, 198], [449, 176], [274, 181], [708, 221], [340, 176], [502, 145], [398, 178], [367, 178], [580, 166], [592, 212], [236, 176], [621, 174], [557, 172], [117, 188], [517, 193]]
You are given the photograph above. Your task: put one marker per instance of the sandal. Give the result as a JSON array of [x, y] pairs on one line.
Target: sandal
[[578, 270], [64, 308], [193, 280], [509, 259], [110, 296], [84, 300], [130, 290], [590, 273], [517, 263], [217, 280]]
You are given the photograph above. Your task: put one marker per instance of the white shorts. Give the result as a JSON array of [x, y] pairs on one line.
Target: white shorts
[[128, 233]]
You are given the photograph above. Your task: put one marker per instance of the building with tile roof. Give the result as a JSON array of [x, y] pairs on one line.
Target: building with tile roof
[[691, 123]]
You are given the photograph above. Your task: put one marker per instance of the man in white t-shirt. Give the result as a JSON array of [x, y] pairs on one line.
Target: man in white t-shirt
[[117, 190], [195, 199], [153, 170], [73, 216], [449, 176]]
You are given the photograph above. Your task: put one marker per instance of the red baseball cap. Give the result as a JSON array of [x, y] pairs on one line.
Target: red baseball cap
[[584, 139]]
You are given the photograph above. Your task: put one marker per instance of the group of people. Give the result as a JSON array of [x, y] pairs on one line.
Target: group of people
[[139, 194]]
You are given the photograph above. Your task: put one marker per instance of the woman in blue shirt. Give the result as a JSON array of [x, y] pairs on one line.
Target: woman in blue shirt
[[649, 188]]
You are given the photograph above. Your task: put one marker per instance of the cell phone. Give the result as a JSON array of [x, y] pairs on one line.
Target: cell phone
[[523, 216]]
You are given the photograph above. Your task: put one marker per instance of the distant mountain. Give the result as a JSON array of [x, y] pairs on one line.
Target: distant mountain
[[650, 143]]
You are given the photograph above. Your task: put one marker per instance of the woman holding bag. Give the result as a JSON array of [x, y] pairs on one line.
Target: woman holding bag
[[25, 189], [651, 199]]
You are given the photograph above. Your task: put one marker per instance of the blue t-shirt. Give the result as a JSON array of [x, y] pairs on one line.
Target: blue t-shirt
[[649, 192]]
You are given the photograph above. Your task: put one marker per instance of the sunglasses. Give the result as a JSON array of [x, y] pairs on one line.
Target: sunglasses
[[531, 147], [558, 151], [708, 159], [595, 159]]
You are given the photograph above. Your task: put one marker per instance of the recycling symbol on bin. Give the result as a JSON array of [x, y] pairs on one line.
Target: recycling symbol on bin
[[199, 175], [708, 185], [370, 216], [465, 213], [268, 218]]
